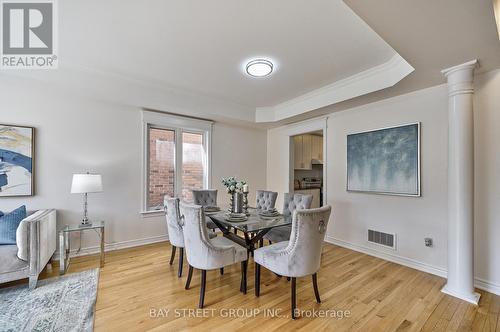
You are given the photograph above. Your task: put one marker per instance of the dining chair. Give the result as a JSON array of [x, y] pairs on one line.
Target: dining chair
[[291, 203], [174, 227], [265, 200], [206, 197], [299, 257], [175, 235], [204, 253]]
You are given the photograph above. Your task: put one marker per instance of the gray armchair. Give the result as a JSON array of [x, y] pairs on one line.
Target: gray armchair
[[36, 243], [204, 253], [291, 203], [265, 200], [175, 233], [174, 228], [206, 197], [299, 257]]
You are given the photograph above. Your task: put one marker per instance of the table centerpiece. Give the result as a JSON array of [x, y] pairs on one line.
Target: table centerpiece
[[238, 191]]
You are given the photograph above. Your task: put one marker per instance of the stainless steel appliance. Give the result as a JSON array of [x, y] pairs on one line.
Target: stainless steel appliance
[[313, 183], [309, 183]]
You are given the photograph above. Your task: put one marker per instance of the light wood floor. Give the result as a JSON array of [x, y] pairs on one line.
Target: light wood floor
[[380, 296]]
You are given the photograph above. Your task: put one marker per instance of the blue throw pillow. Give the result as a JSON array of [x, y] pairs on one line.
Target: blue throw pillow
[[9, 223]]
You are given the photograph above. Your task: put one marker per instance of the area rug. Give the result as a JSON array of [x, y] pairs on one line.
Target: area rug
[[64, 303]]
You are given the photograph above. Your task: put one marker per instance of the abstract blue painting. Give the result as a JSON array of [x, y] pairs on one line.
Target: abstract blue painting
[[16, 160], [385, 161]]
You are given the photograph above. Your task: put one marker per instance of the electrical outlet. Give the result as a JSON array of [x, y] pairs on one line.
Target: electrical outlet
[[428, 242]]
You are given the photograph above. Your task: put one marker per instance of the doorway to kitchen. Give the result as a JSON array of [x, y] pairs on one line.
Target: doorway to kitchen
[[307, 159]]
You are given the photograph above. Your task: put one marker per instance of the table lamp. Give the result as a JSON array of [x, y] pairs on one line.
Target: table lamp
[[84, 184]]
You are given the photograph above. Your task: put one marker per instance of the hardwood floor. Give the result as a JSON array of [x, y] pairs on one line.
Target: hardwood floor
[[378, 295]]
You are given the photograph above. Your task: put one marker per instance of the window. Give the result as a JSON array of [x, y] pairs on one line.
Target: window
[[161, 166], [176, 158], [193, 164]]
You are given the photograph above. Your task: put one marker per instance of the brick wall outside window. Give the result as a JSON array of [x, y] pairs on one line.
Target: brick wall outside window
[[162, 165], [192, 164]]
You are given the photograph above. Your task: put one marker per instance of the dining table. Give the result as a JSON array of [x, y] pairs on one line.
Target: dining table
[[253, 229]]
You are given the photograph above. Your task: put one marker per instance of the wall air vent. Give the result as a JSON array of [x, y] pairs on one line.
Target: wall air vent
[[384, 239]]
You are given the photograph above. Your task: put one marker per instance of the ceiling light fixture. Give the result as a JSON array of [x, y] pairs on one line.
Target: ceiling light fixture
[[259, 68]]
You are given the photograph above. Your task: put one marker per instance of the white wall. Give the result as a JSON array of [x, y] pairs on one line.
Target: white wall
[[76, 134], [487, 177], [239, 152], [411, 218]]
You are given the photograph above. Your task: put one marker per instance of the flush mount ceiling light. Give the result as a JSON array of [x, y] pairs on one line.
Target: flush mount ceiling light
[[259, 68]]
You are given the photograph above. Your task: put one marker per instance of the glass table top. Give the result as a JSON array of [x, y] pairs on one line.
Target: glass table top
[[254, 223], [76, 228]]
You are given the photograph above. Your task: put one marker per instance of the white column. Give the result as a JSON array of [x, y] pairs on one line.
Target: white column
[[460, 282]]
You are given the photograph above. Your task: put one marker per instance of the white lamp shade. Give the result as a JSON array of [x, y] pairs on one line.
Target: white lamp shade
[[86, 183]]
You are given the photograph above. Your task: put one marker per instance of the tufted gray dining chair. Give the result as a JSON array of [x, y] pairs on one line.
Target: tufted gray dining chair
[[291, 203], [206, 197], [204, 253], [174, 227], [265, 200], [299, 257]]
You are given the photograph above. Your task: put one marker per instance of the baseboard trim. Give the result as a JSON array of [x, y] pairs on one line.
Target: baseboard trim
[[115, 246], [487, 285], [388, 256], [478, 282], [414, 264]]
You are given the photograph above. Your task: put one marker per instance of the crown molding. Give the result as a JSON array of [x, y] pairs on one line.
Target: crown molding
[[149, 94], [370, 80], [138, 92]]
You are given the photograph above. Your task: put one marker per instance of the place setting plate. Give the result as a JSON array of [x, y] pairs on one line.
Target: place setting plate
[[269, 214], [211, 209], [236, 217]]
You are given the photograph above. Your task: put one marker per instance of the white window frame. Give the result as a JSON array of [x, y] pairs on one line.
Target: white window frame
[[179, 125]]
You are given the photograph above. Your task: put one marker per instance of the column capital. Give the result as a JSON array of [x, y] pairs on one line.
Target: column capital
[[461, 78], [467, 66]]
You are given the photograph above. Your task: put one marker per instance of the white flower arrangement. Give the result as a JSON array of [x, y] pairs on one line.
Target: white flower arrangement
[[232, 185]]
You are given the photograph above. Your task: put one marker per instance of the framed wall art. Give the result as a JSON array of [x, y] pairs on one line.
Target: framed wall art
[[385, 161], [17, 147]]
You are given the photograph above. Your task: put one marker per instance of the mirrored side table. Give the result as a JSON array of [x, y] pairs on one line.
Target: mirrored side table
[[65, 244]]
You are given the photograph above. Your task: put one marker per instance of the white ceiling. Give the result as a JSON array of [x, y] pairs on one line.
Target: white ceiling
[[201, 45], [431, 36], [187, 56]]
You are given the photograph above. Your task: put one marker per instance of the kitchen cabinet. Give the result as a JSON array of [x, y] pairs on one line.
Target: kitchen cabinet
[[302, 150], [306, 152], [305, 148], [297, 152], [317, 147]]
